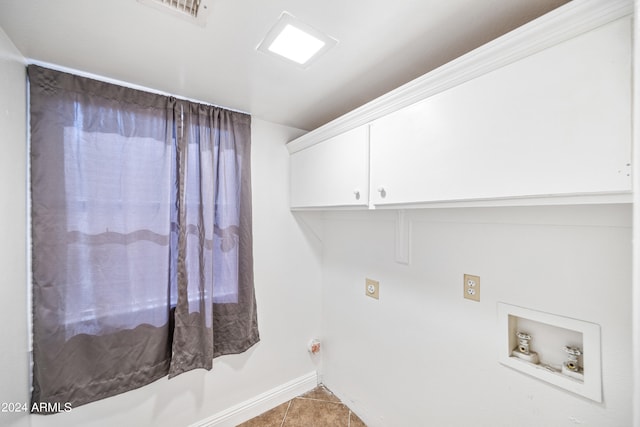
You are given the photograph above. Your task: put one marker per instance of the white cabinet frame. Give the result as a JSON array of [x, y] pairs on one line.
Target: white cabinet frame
[[552, 29]]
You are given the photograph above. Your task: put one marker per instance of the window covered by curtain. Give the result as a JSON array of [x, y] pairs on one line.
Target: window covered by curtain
[[142, 240]]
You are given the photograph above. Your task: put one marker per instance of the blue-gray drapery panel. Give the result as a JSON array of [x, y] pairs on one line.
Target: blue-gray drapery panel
[[142, 239]]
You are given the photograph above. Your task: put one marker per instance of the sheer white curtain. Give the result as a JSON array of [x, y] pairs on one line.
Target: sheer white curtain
[[118, 231]]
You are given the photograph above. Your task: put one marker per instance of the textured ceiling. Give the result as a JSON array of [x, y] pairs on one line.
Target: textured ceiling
[[381, 45]]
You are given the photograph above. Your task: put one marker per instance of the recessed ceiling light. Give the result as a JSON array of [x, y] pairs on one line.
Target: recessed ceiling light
[[295, 44], [295, 41]]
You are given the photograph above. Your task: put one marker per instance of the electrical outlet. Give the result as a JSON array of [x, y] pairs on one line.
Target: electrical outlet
[[372, 288], [471, 287]]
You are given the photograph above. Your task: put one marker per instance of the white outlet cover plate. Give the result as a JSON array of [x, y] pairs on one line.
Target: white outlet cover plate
[[591, 387]]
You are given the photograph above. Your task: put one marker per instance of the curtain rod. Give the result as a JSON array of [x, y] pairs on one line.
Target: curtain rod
[[64, 69]]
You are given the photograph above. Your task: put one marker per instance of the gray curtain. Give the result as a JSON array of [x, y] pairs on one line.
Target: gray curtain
[[142, 240]]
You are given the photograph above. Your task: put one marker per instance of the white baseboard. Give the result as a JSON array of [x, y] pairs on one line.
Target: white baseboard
[[255, 406]]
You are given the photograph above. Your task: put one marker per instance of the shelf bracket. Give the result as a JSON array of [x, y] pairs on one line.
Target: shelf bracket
[[403, 238]]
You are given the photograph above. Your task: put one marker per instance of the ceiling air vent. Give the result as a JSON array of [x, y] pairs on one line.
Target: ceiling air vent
[[192, 10]]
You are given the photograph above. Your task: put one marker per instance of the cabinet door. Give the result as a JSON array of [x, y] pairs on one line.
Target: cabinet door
[[334, 172], [555, 123]]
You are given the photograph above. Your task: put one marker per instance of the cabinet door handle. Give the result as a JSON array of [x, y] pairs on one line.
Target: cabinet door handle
[[383, 192], [357, 194]]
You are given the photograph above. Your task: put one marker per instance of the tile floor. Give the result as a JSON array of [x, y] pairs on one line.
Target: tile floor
[[316, 408]]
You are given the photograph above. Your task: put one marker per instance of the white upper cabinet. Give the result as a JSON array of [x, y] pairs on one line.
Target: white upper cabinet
[[333, 173], [542, 115], [556, 123]]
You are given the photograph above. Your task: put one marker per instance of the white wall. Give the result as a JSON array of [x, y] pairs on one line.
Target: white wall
[[14, 369], [287, 280], [636, 213], [422, 355]]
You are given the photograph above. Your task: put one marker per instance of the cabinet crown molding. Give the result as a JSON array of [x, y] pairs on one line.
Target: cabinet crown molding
[[561, 24]]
